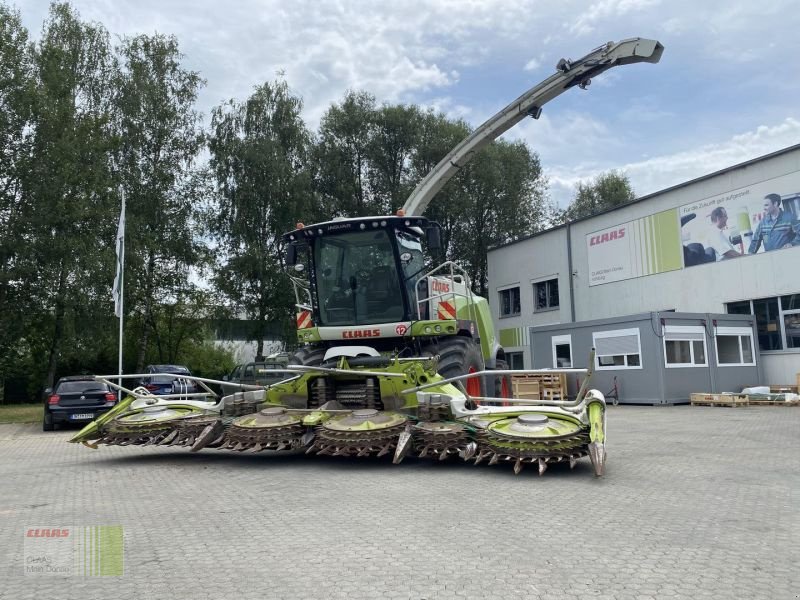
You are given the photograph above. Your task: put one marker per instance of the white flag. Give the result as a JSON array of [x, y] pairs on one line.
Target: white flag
[[120, 261]]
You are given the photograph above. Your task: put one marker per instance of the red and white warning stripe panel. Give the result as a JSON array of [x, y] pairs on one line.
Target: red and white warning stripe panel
[[446, 310], [304, 319]]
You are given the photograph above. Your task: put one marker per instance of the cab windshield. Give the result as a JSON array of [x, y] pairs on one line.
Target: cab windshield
[[357, 279], [413, 263]]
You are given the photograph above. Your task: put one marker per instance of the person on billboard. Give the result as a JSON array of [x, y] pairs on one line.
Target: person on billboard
[[776, 229], [720, 241]]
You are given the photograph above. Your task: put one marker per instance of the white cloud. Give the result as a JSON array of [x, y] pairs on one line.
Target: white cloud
[[573, 137], [532, 64], [587, 22], [726, 61], [447, 106], [660, 172]]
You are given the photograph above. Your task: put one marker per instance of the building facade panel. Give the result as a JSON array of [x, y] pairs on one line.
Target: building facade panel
[[641, 274]]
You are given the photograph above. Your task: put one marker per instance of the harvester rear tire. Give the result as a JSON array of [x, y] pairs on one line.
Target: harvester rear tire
[[458, 356], [502, 383], [307, 355]]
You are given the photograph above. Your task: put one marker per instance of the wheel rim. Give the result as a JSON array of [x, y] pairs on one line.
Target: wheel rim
[[473, 383]]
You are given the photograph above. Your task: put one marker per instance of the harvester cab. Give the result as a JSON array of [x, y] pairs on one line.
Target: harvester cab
[[366, 281], [360, 272]]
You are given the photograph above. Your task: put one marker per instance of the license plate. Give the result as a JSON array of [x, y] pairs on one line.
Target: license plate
[[81, 416]]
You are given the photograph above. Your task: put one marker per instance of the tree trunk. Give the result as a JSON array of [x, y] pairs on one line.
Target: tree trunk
[[260, 341], [58, 330], [144, 339]]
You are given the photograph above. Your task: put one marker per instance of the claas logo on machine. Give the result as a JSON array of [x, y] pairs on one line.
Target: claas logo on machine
[[360, 333], [439, 286]]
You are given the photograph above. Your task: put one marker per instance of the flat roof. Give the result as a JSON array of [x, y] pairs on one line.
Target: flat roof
[[666, 315], [746, 163]]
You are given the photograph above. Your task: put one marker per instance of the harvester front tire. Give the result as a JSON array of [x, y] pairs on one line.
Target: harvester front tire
[[307, 355], [502, 383], [458, 356]]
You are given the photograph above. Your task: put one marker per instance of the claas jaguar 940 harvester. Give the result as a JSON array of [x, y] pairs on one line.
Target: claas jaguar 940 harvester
[[396, 356]]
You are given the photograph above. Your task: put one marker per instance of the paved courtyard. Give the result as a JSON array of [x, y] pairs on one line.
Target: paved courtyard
[[696, 503]]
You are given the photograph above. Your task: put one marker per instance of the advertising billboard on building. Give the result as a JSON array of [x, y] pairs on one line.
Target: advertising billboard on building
[[640, 247], [759, 218], [762, 217]]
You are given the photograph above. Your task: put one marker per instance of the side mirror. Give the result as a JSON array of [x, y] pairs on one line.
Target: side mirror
[[291, 254], [48, 391], [225, 378], [433, 236]]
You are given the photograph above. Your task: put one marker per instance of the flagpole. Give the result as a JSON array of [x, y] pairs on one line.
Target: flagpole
[[121, 292]]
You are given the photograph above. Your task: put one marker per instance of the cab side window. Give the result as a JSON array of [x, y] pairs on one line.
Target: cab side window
[[248, 372]]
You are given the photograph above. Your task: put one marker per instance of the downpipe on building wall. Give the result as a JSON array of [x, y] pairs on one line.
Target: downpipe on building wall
[[571, 274]]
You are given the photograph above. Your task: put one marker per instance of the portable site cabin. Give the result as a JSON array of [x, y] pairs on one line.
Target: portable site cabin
[[655, 358]]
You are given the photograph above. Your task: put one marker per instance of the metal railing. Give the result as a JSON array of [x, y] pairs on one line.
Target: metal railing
[[452, 271]]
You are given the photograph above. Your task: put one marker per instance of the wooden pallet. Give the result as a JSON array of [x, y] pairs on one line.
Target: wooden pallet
[[719, 400], [540, 386], [767, 401]]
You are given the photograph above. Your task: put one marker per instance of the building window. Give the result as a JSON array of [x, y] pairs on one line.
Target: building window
[[509, 302], [768, 324], [790, 309], [735, 347], [684, 346], [515, 360], [777, 320], [618, 349], [562, 351], [546, 294]]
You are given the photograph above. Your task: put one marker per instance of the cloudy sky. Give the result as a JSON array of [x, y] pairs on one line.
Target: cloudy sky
[[726, 90]]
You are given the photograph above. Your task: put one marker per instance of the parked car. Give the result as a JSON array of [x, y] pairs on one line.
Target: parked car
[[76, 400], [166, 379], [266, 372]]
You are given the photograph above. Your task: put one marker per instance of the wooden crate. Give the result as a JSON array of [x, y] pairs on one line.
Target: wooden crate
[[782, 389], [540, 386], [725, 399], [525, 388]]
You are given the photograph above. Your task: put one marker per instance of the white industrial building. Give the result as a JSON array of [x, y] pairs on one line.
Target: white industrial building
[[706, 247]]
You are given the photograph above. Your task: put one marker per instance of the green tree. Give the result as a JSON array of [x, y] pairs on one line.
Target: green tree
[[503, 197], [605, 191], [341, 155], [259, 157], [438, 135], [69, 183], [369, 159], [394, 140], [17, 88], [161, 131], [364, 156]]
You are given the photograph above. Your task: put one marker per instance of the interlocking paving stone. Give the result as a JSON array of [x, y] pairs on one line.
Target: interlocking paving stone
[[696, 502]]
